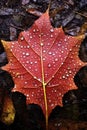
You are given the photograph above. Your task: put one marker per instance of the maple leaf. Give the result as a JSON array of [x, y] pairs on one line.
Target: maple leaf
[[43, 63]]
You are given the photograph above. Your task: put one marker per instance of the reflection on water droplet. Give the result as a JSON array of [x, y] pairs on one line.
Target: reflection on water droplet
[[34, 30], [31, 37], [51, 35], [43, 59], [50, 53], [27, 54], [65, 39], [34, 77], [25, 82], [44, 51], [31, 62], [63, 76], [56, 59], [49, 65], [27, 62], [28, 46], [22, 38], [51, 30], [35, 62], [48, 44], [41, 44]]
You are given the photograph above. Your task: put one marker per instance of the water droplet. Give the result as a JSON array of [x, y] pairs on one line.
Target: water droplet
[[39, 79], [35, 85], [49, 65], [41, 44], [50, 53], [35, 62], [44, 51], [27, 54], [53, 76], [34, 30], [31, 37], [27, 61], [70, 71], [52, 105], [27, 95], [48, 44], [36, 69], [49, 100], [31, 62], [21, 46], [55, 90], [63, 76], [70, 49], [43, 59], [53, 54], [67, 75], [22, 38], [25, 82], [65, 39], [23, 53], [28, 46], [51, 30], [35, 77], [56, 59], [51, 35], [61, 51]]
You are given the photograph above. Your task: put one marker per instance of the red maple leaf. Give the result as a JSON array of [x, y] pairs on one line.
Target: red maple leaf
[[43, 63]]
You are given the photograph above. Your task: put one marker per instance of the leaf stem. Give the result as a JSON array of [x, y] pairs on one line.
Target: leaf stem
[[44, 90], [46, 106]]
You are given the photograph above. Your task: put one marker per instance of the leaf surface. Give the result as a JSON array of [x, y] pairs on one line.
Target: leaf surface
[[43, 63]]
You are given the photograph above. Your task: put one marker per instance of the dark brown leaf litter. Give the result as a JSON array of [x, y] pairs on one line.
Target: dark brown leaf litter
[[16, 16]]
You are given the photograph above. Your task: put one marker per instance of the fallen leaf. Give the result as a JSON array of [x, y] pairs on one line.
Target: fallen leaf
[[43, 63]]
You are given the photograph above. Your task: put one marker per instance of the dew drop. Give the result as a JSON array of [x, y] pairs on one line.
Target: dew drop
[[27, 62], [53, 76], [70, 71], [61, 51], [23, 53], [35, 85], [41, 44], [31, 37], [43, 59], [52, 105], [63, 76], [53, 54], [22, 38], [51, 30], [48, 44], [12, 43], [27, 54], [56, 59], [49, 65], [44, 51], [28, 46], [49, 101], [35, 77], [31, 62], [34, 30], [21, 46], [35, 62], [50, 53], [51, 35], [65, 39], [25, 82]]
